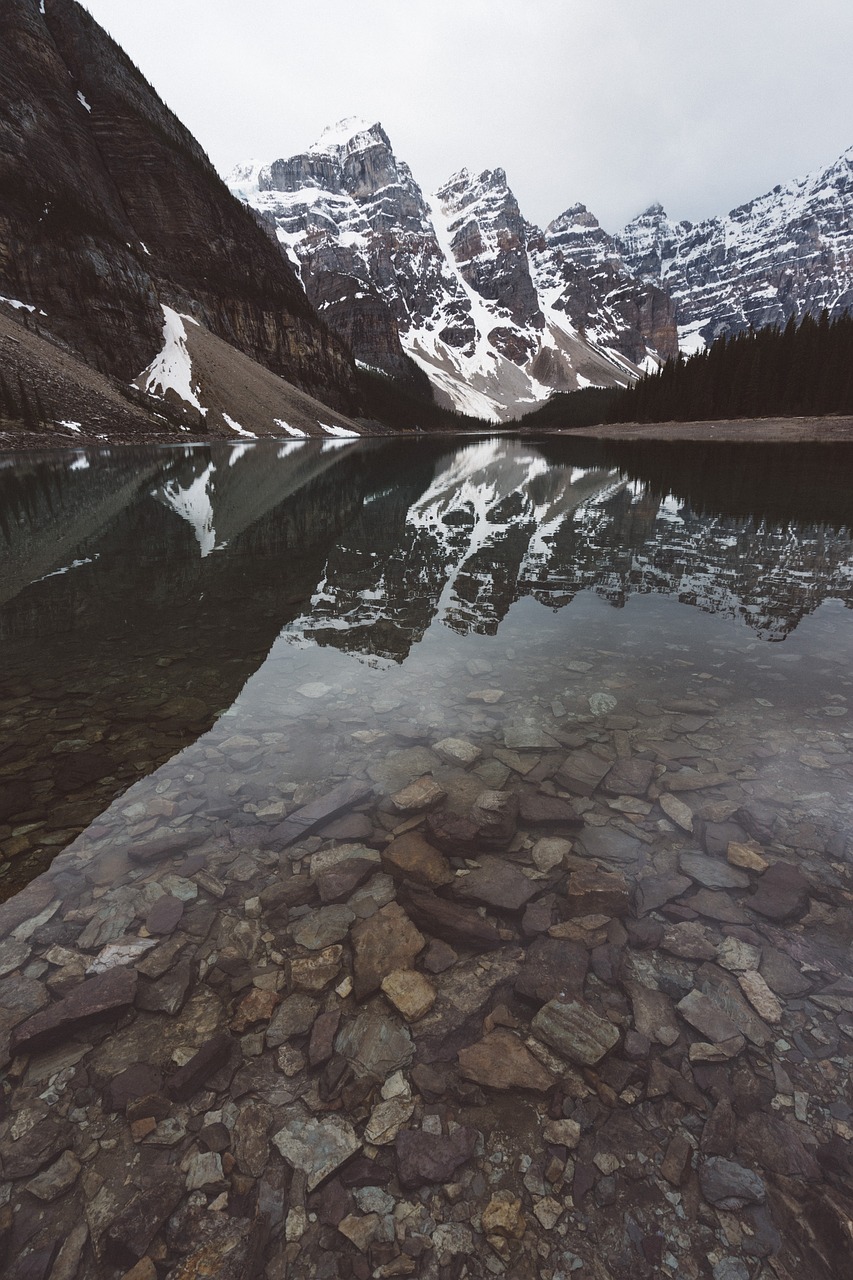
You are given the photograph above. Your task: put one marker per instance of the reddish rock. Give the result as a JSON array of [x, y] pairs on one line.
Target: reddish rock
[[501, 1061], [386, 941], [165, 915], [782, 893]]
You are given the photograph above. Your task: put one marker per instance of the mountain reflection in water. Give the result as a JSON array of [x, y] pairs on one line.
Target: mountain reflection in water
[[140, 589]]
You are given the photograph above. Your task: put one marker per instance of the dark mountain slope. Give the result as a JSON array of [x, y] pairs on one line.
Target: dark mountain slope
[[109, 207]]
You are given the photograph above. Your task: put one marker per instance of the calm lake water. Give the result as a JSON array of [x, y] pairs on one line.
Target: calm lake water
[[224, 631]]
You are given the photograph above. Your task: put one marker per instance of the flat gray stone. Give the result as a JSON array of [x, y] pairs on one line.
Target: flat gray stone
[[610, 844], [316, 1147], [730, 1185], [497, 883], [582, 772], [712, 873], [323, 927], [707, 1017], [375, 1044], [654, 891], [316, 814]]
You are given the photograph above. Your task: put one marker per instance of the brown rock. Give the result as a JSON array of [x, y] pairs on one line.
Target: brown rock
[[582, 772], [781, 974], [321, 1046], [782, 893], [425, 1158], [677, 1159], [294, 1017], [453, 833], [654, 1015], [688, 940], [451, 921], [707, 1018], [410, 992], [760, 996], [497, 883], [575, 1031], [165, 915], [594, 892], [501, 1061], [339, 881], [423, 793], [553, 968], [212, 1055], [103, 997], [772, 1144], [745, 856], [502, 1217], [386, 941], [412, 856], [537, 810], [494, 814], [257, 1006], [315, 972], [630, 777]]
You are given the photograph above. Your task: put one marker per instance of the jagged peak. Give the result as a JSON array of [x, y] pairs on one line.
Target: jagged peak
[[655, 210], [352, 133], [577, 215]]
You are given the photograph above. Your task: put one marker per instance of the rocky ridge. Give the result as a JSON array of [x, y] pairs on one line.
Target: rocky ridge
[[784, 254], [497, 313]]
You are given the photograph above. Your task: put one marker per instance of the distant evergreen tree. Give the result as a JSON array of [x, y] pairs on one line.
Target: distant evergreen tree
[[803, 369]]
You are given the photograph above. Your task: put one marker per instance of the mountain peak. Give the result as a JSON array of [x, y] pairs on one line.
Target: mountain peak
[[352, 133]]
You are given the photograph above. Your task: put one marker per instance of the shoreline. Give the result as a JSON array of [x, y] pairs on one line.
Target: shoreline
[[829, 430]]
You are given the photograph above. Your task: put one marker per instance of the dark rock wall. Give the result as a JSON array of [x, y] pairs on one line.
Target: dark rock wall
[[82, 191]]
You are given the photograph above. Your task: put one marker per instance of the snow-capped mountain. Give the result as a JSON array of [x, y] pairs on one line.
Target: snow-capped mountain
[[496, 312], [787, 253]]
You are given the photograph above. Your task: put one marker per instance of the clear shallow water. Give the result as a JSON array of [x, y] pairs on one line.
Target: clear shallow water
[[221, 632]]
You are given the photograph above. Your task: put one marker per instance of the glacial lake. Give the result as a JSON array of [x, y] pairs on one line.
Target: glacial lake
[[221, 632], [426, 857]]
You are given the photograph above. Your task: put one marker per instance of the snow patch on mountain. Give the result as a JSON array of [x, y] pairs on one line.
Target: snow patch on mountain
[[171, 369]]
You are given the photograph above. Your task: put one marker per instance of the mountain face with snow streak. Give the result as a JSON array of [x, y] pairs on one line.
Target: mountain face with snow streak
[[787, 253], [489, 308]]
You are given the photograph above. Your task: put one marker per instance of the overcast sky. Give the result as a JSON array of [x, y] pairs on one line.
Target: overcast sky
[[700, 104]]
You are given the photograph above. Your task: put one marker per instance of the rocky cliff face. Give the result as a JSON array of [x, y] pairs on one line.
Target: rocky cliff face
[[787, 253], [579, 268], [109, 208], [459, 282]]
